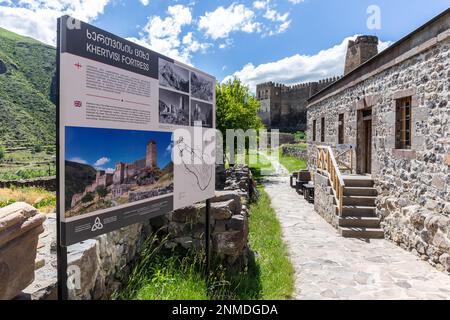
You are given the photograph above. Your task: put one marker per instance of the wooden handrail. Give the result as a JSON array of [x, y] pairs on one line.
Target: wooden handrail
[[326, 161], [343, 165]]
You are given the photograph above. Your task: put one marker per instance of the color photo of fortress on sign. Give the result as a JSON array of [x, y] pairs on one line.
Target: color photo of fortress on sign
[[101, 175]]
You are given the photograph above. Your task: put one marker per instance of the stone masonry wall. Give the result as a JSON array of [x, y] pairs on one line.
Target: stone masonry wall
[[106, 261], [413, 185], [48, 183], [324, 199], [301, 154]]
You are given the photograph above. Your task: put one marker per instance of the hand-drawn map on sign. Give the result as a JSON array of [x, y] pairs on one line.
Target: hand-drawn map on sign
[[119, 107], [195, 162]]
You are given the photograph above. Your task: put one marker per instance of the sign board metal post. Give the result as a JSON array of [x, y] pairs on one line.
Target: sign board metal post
[[132, 136], [208, 237]]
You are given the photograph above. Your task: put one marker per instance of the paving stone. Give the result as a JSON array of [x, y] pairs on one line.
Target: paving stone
[[328, 266]]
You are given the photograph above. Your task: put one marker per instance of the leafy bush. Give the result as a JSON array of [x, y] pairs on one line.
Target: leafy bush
[[88, 198], [7, 202], [102, 192], [300, 136]]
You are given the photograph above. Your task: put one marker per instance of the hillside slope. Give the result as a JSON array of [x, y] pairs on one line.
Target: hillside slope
[[27, 109]]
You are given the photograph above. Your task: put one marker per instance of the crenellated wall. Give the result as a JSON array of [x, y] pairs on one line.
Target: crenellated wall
[[284, 107]]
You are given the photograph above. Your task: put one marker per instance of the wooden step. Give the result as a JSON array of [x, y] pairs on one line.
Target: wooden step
[[360, 191], [362, 233], [361, 222], [359, 201], [358, 181], [357, 211]]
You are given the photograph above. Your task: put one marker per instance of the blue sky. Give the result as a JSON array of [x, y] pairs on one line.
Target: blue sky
[[103, 148], [288, 41]]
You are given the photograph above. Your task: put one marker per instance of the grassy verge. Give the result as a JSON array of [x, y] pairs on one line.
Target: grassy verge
[[166, 275], [291, 163], [41, 199]]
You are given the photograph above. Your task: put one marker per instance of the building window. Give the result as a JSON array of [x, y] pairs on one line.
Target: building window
[[314, 130], [322, 130], [341, 129], [403, 124]]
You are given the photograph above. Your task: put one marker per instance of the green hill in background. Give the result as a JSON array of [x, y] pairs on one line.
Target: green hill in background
[[27, 95]]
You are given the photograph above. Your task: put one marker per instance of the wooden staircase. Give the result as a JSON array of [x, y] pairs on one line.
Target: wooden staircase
[[358, 218], [354, 198]]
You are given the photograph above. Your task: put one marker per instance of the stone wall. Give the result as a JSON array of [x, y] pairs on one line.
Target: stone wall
[[106, 261], [413, 185], [284, 107], [290, 151], [324, 199], [48, 183]]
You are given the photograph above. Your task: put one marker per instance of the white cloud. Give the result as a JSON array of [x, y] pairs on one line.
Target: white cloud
[[101, 162], [78, 160], [37, 18], [145, 2], [260, 4], [296, 1], [299, 68], [219, 23], [165, 35]]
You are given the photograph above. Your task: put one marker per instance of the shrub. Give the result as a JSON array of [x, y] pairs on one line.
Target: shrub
[[88, 197], [102, 191]]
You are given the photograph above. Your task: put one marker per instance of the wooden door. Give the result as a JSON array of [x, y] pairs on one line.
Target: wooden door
[[368, 145]]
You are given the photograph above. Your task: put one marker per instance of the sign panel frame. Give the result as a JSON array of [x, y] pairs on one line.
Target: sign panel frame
[[118, 106]]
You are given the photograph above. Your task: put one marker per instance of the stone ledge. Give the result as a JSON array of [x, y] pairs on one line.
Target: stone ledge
[[404, 154]]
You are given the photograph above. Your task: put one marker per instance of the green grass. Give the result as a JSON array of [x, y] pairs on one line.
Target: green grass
[[291, 163], [163, 274], [41, 199], [26, 94], [301, 146]]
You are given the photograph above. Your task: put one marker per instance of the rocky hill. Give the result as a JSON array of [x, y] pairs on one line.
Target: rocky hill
[[27, 92]]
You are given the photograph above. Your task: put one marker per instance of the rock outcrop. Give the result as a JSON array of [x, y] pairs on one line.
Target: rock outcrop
[[20, 226]]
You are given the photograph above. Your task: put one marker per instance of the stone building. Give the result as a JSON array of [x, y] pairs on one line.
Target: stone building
[[388, 119], [284, 107]]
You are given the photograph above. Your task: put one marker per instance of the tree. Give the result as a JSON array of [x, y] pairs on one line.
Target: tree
[[37, 148], [88, 197], [2, 153], [102, 191], [236, 107]]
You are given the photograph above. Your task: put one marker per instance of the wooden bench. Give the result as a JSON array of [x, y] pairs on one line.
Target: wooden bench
[[308, 192]]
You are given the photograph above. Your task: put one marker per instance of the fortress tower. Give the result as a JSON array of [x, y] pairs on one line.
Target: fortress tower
[[284, 107], [150, 155], [360, 51], [119, 173]]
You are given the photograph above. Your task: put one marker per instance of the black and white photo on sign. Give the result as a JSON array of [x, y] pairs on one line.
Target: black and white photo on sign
[[173, 108], [201, 114], [202, 87], [173, 76]]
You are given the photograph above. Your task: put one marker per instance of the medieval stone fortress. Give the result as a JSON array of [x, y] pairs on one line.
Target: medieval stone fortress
[[125, 178]]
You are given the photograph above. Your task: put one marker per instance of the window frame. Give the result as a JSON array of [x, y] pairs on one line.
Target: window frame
[[322, 129], [403, 123], [341, 128]]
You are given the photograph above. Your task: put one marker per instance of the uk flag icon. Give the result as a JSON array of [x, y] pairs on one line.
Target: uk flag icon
[[77, 104]]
